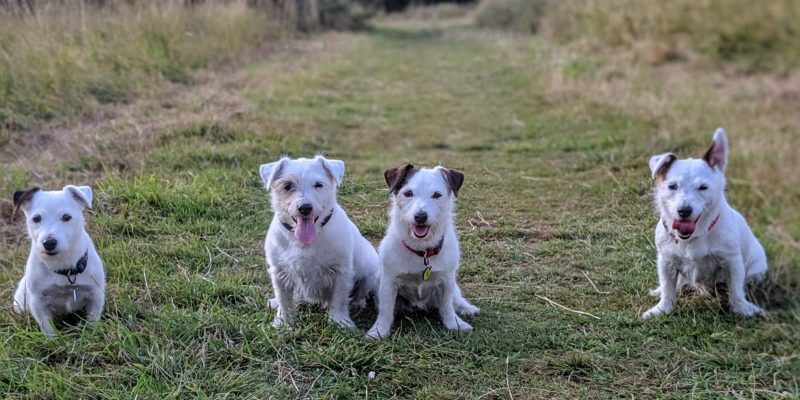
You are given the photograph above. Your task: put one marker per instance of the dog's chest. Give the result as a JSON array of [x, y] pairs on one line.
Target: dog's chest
[[420, 292], [704, 264], [65, 298], [312, 276]]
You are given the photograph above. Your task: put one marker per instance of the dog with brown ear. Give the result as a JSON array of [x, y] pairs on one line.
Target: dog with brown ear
[[701, 240], [420, 253], [64, 274]]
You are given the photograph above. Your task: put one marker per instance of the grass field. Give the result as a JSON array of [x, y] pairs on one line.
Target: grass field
[[556, 206]]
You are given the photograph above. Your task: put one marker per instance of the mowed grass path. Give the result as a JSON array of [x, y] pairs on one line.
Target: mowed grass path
[[556, 205]]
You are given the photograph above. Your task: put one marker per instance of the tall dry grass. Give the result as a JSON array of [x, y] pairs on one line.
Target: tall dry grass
[[750, 36], [63, 59]]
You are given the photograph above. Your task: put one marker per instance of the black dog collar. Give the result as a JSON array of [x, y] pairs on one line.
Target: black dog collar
[[72, 272], [324, 221]]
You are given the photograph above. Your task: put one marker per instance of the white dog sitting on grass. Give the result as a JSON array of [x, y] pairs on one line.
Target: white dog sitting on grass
[[420, 253], [701, 240], [64, 274], [315, 253]]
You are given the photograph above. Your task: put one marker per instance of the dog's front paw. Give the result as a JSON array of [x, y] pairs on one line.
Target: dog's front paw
[[279, 322], [375, 334], [273, 304], [655, 292], [457, 324], [656, 311], [746, 308], [343, 321], [92, 317], [468, 310]]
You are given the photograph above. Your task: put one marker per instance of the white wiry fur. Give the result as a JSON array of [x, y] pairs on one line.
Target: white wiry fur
[[433, 192], [727, 253], [326, 270], [58, 215]]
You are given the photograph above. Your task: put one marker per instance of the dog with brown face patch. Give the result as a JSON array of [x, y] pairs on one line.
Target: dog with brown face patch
[[701, 240], [315, 253], [420, 253]]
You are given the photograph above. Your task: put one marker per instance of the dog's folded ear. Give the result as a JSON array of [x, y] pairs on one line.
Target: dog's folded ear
[[454, 178], [334, 167], [23, 197], [81, 194], [659, 165], [717, 154], [272, 171], [398, 176]]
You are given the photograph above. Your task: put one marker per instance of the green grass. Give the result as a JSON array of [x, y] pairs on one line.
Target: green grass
[[557, 192]]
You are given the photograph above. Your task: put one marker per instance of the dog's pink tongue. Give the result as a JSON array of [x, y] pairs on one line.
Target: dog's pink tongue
[[684, 227], [421, 230], [306, 231]]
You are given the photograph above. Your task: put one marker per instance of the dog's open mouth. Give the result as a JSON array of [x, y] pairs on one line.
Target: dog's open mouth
[[51, 253], [685, 227], [420, 231]]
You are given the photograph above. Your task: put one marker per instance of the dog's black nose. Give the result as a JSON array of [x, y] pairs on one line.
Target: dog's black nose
[[685, 212], [50, 244], [305, 209], [421, 217]]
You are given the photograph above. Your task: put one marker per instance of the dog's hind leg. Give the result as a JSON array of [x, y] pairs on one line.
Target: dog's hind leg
[[338, 308], [461, 304], [42, 315], [362, 291], [94, 308], [667, 279], [756, 265], [286, 307], [273, 303], [19, 297], [447, 311], [736, 293], [386, 299]]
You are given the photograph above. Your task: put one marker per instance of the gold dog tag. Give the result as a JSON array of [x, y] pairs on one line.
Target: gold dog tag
[[426, 273]]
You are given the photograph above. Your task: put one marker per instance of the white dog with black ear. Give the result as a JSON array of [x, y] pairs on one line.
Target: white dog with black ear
[[64, 274], [701, 240], [315, 253], [420, 254]]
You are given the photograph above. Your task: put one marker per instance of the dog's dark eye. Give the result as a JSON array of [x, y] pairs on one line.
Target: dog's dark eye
[[66, 217], [703, 187], [288, 187], [436, 195], [673, 186], [36, 219], [408, 193], [318, 185]]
